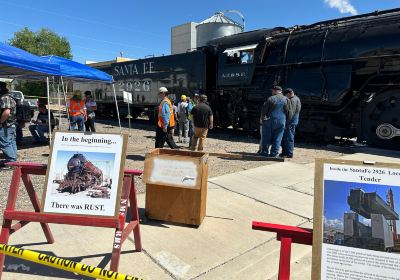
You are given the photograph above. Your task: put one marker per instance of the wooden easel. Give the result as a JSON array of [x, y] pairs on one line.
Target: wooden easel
[[24, 169]]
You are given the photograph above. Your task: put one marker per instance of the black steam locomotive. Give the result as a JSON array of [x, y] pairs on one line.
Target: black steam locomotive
[[346, 72], [81, 175]]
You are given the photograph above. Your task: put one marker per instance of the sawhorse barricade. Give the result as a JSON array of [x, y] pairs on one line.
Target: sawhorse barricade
[[24, 169], [287, 235]]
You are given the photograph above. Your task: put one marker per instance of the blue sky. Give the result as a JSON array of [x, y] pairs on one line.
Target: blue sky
[[335, 198], [100, 30]]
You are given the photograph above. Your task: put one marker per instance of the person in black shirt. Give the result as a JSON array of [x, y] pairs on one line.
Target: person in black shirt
[[202, 121], [41, 125]]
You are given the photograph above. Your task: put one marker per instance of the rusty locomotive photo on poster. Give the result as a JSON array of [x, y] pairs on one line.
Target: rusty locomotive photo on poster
[[84, 176]]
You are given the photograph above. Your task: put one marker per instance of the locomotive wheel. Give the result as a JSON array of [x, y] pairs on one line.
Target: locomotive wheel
[[381, 120]]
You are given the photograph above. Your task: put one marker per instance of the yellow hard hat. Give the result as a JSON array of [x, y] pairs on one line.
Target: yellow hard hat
[[183, 97]]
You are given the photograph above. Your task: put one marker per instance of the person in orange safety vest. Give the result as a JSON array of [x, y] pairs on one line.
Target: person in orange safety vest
[[77, 111], [166, 121]]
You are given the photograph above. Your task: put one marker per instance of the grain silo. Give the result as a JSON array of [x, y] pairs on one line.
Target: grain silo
[[217, 26]]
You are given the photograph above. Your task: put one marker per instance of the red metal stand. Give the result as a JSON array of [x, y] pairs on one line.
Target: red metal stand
[[24, 169], [287, 235]]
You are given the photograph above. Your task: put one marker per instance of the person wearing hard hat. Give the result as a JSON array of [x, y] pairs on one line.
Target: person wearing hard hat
[[183, 119], [77, 111], [166, 121]]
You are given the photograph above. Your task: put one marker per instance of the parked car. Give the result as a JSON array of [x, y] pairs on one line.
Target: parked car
[[33, 102]]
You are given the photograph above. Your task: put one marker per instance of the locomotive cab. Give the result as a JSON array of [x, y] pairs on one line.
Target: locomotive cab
[[236, 65]]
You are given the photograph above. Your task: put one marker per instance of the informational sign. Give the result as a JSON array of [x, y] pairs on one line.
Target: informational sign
[[178, 171], [127, 97], [84, 175], [356, 220]]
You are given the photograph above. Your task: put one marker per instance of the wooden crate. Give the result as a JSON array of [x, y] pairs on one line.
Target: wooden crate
[[176, 186]]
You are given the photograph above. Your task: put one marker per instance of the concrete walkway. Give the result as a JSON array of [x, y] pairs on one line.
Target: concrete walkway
[[223, 247]]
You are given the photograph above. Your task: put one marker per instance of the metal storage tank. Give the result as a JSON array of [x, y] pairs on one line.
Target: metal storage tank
[[217, 26]]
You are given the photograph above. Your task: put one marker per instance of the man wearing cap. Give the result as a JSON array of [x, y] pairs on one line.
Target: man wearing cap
[[77, 111], [183, 121], [8, 111], [292, 120], [202, 121], [166, 121], [273, 119]]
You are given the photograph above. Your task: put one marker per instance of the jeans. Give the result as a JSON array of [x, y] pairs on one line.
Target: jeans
[[261, 139], [77, 120], [183, 130], [162, 137], [19, 134], [288, 140], [191, 133], [200, 133], [89, 125], [38, 132], [7, 144], [272, 136]]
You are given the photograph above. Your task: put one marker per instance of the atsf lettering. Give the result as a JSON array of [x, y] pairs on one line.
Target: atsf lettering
[[234, 75]]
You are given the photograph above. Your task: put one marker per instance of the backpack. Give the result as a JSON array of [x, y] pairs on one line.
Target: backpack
[[23, 110], [183, 111]]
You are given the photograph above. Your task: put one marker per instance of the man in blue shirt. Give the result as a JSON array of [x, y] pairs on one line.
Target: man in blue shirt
[[273, 119], [166, 121], [292, 120]]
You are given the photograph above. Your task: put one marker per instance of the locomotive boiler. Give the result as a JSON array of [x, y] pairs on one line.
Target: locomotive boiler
[[82, 175]]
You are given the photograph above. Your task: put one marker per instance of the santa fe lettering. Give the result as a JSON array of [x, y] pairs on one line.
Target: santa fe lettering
[[134, 69]]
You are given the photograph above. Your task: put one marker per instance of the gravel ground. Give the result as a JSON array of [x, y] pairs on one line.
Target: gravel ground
[[141, 140]]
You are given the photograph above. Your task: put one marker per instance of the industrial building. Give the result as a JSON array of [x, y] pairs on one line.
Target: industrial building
[[189, 36]]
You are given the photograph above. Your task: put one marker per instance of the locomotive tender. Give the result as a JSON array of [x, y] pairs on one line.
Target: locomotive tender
[[346, 72]]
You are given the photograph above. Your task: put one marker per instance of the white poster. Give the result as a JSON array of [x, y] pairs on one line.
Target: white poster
[[84, 174], [176, 172], [360, 234]]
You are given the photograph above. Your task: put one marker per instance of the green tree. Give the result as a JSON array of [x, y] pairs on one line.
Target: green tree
[[41, 42]]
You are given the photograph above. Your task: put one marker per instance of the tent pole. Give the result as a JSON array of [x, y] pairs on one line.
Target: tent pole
[[65, 100], [59, 104], [116, 105], [48, 107]]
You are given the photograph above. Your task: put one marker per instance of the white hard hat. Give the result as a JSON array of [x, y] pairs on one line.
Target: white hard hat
[[162, 89]]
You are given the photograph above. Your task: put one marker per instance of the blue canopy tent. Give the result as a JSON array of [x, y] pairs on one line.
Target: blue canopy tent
[[17, 63], [75, 71]]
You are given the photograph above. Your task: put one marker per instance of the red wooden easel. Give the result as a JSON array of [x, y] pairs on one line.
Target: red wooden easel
[[287, 235], [24, 169]]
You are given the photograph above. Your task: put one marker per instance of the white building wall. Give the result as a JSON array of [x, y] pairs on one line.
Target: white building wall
[[183, 37]]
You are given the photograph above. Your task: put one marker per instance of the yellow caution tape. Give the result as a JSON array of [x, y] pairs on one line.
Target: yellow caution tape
[[63, 264]]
